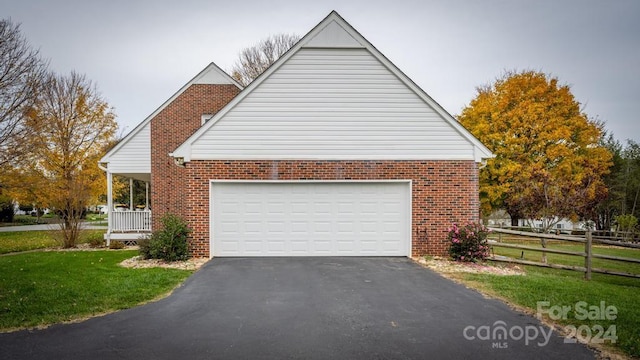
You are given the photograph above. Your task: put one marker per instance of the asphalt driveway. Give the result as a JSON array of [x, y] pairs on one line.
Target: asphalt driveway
[[303, 308]]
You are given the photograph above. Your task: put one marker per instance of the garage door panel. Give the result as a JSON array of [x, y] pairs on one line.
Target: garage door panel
[[321, 208], [299, 227], [299, 245], [228, 246], [391, 227], [248, 208], [348, 227], [251, 244], [346, 208], [369, 227], [299, 207], [310, 219], [229, 227], [369, 207], [369, 245], [275, 227]]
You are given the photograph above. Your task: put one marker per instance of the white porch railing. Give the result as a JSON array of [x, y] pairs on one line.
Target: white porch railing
[[131, 221]]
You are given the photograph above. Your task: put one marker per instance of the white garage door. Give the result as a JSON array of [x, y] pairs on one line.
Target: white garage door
[[310, 219]]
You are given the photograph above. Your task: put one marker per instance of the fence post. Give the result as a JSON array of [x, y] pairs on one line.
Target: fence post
[[587, 259]]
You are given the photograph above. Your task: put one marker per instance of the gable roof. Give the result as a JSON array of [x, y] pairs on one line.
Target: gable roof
[[334, 32], [211, 74]]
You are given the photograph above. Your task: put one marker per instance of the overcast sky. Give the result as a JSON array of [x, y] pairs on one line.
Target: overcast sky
[[139, 53]]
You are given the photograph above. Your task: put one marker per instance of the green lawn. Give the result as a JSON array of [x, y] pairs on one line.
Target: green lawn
[[567, 288], [17, 241], [41, 288]]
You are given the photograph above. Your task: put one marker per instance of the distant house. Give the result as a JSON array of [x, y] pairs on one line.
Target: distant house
[[102, 209], [332, 151], [18, 211], [500, 218], [561, 225]]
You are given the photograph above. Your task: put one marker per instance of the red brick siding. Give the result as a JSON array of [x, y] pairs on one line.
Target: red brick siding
[[170, 128], [442, 191]]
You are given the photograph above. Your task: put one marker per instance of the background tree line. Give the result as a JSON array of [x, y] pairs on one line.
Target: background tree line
[[621, 205]]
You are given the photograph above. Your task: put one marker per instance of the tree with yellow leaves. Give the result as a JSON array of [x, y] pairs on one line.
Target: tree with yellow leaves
[[71, 126], [549, 159]]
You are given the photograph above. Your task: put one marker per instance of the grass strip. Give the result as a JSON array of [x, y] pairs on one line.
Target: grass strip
[[42, 288], [568, 288], [18, 241]]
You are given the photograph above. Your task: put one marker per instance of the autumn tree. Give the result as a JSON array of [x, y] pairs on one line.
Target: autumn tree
[[71, 126], [254, 60], [25, 184], [549, 161], [21, 76]]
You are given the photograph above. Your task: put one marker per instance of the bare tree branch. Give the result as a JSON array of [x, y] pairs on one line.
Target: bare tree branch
[[254, 60], [21, 75]]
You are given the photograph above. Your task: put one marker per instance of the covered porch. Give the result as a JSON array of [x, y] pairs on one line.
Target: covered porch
[[131, 221], [130, 160]]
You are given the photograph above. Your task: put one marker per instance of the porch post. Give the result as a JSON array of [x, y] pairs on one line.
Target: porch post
[[146, 195], [131, 194], [109, 206]]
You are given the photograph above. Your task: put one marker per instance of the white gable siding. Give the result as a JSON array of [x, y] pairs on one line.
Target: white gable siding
[[333, 35], [135, 155], [332, 104]]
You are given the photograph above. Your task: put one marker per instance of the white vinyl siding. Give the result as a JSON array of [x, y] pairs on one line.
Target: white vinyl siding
[[310, 218], [135, 155], [332, 104]]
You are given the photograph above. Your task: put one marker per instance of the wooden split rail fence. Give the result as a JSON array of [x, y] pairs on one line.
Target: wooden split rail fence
[[588, 254]]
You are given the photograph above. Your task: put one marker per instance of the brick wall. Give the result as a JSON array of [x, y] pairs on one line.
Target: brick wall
[[170, 128], [442, 191]]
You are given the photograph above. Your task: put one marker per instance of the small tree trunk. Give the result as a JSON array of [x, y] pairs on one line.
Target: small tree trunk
[[635, 201]]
